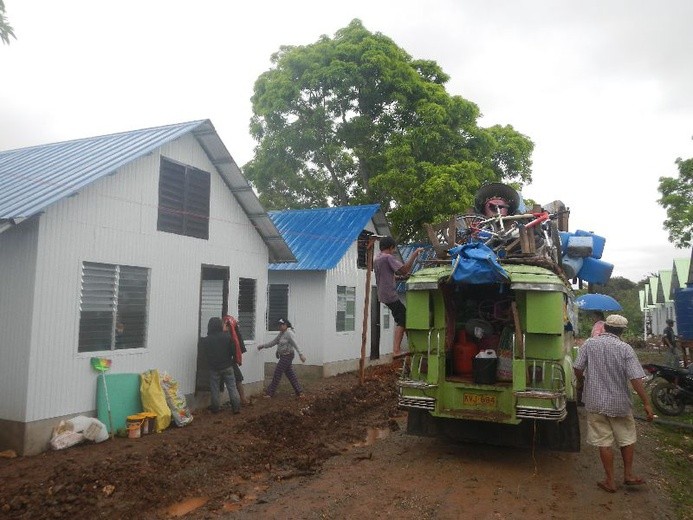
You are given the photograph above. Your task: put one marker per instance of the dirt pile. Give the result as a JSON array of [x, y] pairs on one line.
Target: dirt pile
[[220, 460]]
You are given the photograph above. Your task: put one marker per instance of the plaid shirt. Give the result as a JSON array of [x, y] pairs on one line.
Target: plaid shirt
[[609, 364]]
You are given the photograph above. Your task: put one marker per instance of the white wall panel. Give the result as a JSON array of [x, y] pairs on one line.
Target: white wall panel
[[114, 221], [17, 264]]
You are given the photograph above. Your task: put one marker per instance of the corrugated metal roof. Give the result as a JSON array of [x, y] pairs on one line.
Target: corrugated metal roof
[[31, 179], [319, 238]]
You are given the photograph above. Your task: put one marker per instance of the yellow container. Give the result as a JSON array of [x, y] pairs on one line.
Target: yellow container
[[149, 424], [134, 425]]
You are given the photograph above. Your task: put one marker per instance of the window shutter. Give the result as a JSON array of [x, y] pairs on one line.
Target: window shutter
[[246, 307], [171, 197], [197, 204], [97, 307], [278, 305]]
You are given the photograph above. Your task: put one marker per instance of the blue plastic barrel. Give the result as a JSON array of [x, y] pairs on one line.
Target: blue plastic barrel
[[595, 271], [683, 305], [597, 242]]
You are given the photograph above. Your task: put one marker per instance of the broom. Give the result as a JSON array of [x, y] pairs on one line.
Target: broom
[[102, 365]]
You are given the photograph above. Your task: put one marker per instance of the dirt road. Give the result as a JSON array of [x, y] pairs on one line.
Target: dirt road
[[340, 454]]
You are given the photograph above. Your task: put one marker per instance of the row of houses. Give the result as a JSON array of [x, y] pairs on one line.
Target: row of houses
[[657, 296], [122, 246]]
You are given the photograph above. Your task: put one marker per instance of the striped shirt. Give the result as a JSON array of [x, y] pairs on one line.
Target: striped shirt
[[609, 364]]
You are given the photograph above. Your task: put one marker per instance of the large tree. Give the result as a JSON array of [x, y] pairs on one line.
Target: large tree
[[677, 199], [354, 119], [5, 28]]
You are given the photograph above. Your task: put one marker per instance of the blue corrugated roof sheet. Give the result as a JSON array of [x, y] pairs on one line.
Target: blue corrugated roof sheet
[[33, 178], [319, 238]]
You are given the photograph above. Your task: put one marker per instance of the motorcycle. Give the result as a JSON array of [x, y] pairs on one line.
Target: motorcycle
[[672, 395]]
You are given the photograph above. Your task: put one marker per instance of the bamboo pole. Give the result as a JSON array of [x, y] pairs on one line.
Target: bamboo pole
[[366, 308]]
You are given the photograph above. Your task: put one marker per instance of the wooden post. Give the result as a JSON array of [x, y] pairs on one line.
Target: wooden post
[[366, 308]]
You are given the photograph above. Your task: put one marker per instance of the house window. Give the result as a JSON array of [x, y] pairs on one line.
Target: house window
[[113, 307], [183, 200], [277, 304], [246, 307], [346, 308], [364, 237]]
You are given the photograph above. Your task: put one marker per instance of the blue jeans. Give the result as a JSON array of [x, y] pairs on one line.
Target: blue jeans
[[215, 376]]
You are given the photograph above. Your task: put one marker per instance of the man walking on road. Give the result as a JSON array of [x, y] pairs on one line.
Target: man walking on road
[[606, 365]]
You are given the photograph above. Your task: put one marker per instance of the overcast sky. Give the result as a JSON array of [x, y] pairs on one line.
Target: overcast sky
[[603, 88]]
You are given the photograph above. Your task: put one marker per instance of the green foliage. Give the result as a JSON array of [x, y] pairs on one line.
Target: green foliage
[[6, 29], [354, 119], [677, 199]]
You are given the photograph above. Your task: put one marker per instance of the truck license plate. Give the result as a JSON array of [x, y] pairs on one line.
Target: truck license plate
[[486, 400]]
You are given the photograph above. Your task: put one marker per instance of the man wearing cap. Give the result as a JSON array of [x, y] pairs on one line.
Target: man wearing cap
[[606, 365], [669, 342]]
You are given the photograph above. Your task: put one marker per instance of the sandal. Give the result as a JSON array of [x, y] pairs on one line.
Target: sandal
[[606, 488]]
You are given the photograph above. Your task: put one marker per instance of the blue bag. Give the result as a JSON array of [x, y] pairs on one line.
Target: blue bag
[[476, 263]]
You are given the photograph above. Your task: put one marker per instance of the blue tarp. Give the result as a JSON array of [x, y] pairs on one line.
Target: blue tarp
[[476, 263]]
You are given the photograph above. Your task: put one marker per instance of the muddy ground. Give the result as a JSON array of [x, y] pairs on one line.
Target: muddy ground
[[341, 453]]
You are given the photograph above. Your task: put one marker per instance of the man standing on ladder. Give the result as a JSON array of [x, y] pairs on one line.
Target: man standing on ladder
[[387, 267]]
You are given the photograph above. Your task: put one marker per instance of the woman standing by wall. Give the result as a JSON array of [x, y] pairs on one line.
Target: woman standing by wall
[[286, 345]]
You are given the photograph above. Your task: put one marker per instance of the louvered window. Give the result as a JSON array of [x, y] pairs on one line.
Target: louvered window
[[183, 200], [277, 304], [346, 308], [246, 307], [113, 307]]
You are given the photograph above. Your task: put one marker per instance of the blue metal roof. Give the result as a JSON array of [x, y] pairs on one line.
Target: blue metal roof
[[319, 238], [31, 179]]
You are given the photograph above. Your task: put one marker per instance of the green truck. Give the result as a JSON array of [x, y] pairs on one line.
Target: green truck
[[491, 362]]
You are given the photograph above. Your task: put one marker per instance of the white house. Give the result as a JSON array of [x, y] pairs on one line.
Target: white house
[[324, 292], [122, 246]]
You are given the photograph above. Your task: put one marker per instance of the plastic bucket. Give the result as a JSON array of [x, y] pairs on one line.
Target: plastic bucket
[[597, 242], [595, 271], [149, 424], [134, 426]]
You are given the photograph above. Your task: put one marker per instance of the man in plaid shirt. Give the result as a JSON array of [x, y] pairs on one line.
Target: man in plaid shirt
[[606, 365]]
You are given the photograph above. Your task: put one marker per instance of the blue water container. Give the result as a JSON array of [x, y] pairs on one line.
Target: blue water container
[[595, 271], [572, 266], [683, 305], [580, 246], [597, 242], [565, 236]]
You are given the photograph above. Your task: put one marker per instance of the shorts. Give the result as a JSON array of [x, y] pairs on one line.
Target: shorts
[[602, 430], [399, 312]]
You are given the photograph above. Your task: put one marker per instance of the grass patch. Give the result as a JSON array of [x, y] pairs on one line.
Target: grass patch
[[675, 449]]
